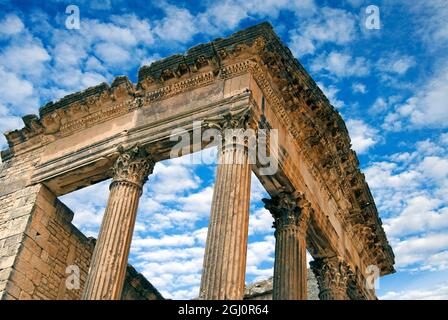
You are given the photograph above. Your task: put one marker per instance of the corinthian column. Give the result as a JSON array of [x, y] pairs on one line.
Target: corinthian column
[[226, 247], [291, 213], [332, 276], [110, 257]]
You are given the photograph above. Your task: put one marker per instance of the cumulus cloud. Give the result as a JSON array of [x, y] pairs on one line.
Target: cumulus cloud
[[426, 109], [328, 26], [440, 292], [11, 25], [17, 92], [430, 19], [396, 63], [331, 92], [340, 64], [362, 135], [177, 25], [260, 221], [359, 88], [410, 191]]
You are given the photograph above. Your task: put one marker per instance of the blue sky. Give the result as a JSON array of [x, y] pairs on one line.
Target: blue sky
[[390, 85]]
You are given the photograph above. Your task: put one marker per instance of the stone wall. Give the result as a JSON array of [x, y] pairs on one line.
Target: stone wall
[[17, 201], [262, 290], [37, 244]]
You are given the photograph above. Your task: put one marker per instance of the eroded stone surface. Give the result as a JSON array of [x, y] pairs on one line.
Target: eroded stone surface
[[73, 143]]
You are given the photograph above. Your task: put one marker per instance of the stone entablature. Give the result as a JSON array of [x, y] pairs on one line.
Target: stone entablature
[[74, 141]]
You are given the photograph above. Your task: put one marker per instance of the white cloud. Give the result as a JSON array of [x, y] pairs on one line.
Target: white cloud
[[424, 250], [359, 88], [396, 63], [260, 221], [17, 92], [178, 25], [224, 15], [170, 179], [430, 18], [165, 241], [88, 210], [112, 54], [439, 292], [11, 25], [382, 104], [329, 25], [340, 64], [362, 135], [331, 92], [260, 252], [25, 59], [426, 109], [410, 191], [199, 202]]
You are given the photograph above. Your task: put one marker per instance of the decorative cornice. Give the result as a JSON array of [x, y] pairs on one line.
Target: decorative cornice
[[132, 166]]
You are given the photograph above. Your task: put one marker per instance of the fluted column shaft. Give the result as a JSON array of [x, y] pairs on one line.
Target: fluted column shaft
[[290, 265], [291, 214], [109, 261], [224, 267], [332, 276]]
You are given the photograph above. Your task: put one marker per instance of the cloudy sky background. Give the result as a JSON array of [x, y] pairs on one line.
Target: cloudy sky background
[[390, 85]]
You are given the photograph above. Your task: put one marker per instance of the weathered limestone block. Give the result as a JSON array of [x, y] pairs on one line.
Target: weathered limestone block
[[15, 210]]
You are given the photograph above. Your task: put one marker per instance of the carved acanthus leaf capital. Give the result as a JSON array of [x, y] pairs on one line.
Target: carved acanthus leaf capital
[[332, 274], [238, 119], [133, 165], [289, 209]]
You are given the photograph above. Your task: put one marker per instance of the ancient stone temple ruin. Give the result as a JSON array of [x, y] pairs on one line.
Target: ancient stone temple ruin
[[319, 198]]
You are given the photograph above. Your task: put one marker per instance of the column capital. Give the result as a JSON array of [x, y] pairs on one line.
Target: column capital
[[234, 119], [133, 165], [289, 209], [332, 274]]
